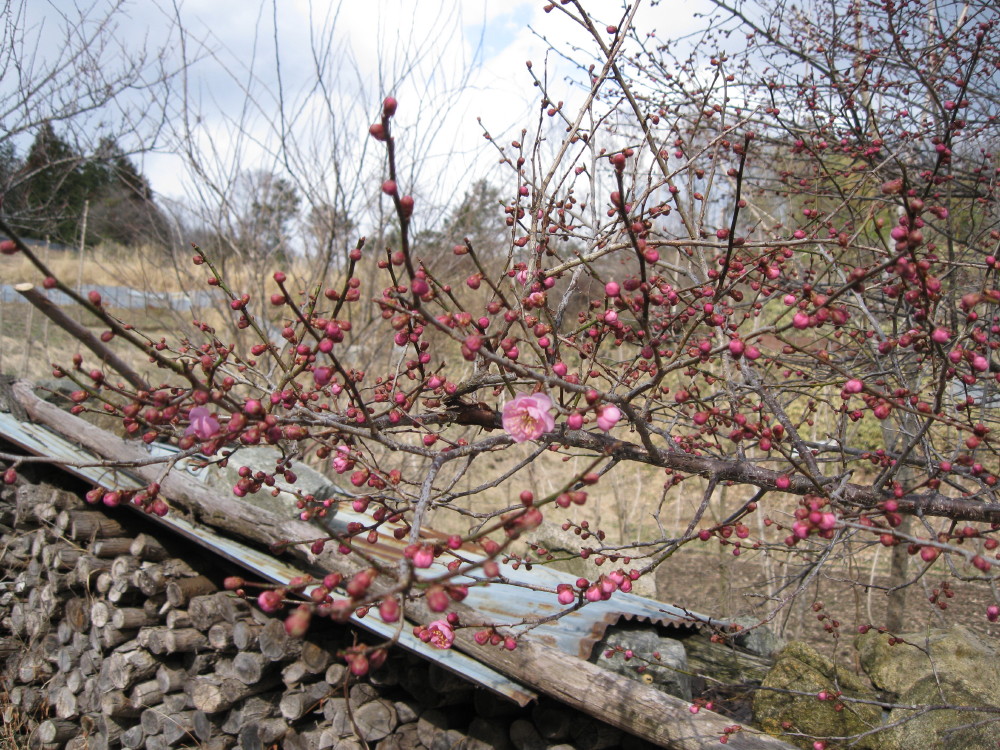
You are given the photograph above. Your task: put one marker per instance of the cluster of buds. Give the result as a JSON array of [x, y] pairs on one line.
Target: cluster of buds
[[361, 659], [492, 637], [811, 518], [147, 499], [599, 590]]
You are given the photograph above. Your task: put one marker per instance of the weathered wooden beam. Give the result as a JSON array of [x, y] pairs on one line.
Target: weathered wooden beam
[[44, 305]]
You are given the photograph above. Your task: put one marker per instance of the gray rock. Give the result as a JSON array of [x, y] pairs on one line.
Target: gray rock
[[667, 671], [801, 669], [937, 667], [758, 639]]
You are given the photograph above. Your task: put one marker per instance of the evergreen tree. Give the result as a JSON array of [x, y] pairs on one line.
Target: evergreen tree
[[54, 187], [55, 182]]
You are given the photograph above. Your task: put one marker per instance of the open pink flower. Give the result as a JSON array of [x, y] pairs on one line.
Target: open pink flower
[[441, 634], [525, 417], [203, 424], [608, 416], [342, 459]]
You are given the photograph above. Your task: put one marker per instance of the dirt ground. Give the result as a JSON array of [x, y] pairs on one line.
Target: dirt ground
[[739, 587]]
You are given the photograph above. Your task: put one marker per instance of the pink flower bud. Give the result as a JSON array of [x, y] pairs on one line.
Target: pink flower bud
[[359, 665], [423, 556], [853, 386], [297, 623], [437, 599], [270, 600]]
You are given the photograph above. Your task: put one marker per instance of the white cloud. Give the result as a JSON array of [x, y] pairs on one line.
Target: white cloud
[[463, 58]]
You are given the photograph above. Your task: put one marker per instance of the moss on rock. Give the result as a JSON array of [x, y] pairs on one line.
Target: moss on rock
[[800, 717], [936, 668]]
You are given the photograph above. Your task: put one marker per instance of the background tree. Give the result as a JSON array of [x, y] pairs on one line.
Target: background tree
[[68, 83], [54, 183]]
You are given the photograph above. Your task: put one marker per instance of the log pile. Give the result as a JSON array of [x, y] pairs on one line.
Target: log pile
[[108, 639]]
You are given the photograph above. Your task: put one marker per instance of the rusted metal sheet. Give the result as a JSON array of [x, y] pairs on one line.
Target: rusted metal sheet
[[41, 441], [515, 603], [519, 605]]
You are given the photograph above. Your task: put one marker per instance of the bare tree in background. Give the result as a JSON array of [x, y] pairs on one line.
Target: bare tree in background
[[307, 132], [68, 67]]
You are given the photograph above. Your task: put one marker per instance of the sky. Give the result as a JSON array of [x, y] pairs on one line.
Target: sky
[[465, 60]]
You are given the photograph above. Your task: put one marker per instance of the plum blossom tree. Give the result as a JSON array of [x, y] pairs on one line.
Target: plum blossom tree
[[825, 347]]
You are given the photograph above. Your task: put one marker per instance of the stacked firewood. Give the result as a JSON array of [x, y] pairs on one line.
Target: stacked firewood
[[109, 639]]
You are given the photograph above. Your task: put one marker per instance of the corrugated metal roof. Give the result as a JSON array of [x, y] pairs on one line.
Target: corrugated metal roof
[[510, 604], [515, 602], [41, 441]]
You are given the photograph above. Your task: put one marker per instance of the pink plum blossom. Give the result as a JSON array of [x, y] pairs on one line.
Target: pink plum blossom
[[525, 417], [441, 634], [342, 460], [608, 416], [203, 424]]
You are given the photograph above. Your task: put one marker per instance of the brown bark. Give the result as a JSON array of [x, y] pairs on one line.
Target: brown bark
[[212, 694], [206, 610], [111, 547], [220, 637], [146, 547], [316, 658], [249, 666], [56, 731], [85, 525], [245, 634], [276, 644], [181, 591]]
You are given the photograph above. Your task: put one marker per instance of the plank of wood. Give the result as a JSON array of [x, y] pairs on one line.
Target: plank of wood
[[80, 333]]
